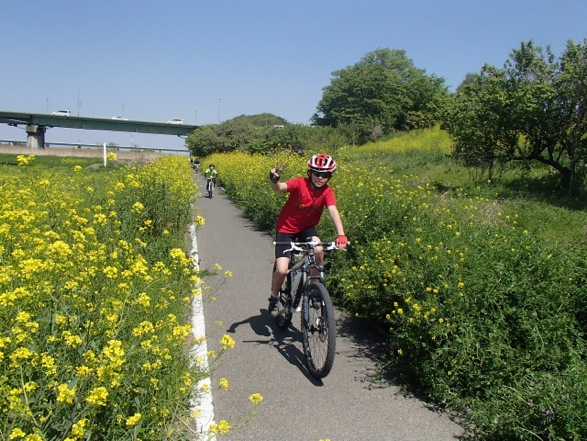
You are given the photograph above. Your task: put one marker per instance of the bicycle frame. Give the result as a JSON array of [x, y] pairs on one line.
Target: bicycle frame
[[303, 260], [210, 185], [304, 264]]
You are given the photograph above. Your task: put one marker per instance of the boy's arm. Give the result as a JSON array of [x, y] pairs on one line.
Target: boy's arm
[[341, 241], [274, 180]]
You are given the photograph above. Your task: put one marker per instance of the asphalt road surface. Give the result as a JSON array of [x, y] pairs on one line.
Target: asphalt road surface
[[350, 404]]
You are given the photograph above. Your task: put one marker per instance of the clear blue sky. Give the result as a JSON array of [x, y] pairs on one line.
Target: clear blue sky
[[206, 61]]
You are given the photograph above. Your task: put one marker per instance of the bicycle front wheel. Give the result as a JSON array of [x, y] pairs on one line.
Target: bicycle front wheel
[[318, 330]]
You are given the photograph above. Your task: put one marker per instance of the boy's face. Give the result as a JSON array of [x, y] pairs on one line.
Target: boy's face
[[320, 179]]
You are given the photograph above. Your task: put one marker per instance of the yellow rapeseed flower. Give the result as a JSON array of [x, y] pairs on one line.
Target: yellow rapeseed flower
[[133, 420], [227, 342], [98, 396], [79, 429], [16, 433], [256, 398], [221, 427], [223, 383], [65, 394], [138, 207]]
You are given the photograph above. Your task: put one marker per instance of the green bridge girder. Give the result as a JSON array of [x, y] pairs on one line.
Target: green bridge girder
[[37, 123]]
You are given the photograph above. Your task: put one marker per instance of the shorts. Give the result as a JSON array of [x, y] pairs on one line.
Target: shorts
[[303, 236]]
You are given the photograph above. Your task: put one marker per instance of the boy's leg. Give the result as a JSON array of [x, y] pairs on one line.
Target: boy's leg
[[279, 271], [281, 265], [319, 256]]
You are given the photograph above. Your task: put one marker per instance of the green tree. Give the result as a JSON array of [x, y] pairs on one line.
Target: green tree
[[263, 120], [381, 93], [262, 134], [534, 109], [234, 134]]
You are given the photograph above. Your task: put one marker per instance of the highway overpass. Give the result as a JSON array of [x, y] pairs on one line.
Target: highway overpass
[[36, 125]]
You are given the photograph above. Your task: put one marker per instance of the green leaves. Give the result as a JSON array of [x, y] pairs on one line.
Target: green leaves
[[533, 109], [381, 90]]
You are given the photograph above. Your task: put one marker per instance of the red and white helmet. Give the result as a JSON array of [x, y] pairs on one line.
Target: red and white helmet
[[322, 163]]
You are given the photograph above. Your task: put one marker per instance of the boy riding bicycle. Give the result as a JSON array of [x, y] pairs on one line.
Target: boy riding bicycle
[[308, 196], [210, 174]]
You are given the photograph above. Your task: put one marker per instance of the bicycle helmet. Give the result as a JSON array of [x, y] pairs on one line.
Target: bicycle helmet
[[322, 163]]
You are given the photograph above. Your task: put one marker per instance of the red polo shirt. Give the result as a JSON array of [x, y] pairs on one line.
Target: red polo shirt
[[304, 206]]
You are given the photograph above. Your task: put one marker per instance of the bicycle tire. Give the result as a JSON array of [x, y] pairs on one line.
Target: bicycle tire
[[209, 188], [318, 330]]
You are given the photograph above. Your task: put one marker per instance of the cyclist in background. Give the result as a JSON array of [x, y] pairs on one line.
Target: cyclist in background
[[211, 174], [308, 196]]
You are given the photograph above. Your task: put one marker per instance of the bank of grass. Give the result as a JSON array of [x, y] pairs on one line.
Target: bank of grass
[[95, 294], [58, 156], [482, 287]]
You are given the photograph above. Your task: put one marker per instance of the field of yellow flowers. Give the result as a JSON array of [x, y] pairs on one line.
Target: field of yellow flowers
[[484, 316], [95, 289]]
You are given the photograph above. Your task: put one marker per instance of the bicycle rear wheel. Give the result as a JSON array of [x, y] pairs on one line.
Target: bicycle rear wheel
[[318, 330]]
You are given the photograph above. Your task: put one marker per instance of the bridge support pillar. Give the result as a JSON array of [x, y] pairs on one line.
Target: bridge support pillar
[[35, 136]]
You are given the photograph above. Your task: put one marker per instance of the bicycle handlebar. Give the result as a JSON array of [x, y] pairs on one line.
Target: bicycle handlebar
[[299, 246]]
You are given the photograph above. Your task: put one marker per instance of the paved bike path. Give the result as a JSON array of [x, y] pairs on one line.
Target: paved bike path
[[348, 405]]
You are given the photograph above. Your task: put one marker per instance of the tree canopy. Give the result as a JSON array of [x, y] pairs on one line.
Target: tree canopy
[[533, 109], [261, 134], [382, 93]]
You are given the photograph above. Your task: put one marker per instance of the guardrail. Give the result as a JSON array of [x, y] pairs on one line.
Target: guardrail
[[109, 146]]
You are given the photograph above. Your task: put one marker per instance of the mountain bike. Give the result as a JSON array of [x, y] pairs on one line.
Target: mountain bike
[[209, 187], [305, 292]]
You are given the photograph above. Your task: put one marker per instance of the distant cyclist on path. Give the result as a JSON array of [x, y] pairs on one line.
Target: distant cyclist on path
[[210, 174], [308, 196]]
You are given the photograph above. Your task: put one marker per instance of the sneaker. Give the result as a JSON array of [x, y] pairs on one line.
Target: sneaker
[[273, 306]]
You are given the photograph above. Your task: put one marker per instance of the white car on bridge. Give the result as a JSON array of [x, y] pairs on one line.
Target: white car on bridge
[[175, 121], [62, 113]]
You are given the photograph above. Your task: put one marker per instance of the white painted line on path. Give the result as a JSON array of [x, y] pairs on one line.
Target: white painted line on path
[[203, 406]]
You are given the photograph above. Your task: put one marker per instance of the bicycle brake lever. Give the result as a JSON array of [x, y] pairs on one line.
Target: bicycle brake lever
[[334, 246], [293, 248]]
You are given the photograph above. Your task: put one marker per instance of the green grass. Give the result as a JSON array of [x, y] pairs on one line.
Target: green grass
[[532, 194], [51, 161]]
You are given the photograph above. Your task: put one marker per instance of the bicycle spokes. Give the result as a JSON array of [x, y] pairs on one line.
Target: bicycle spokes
[[318, 328]]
